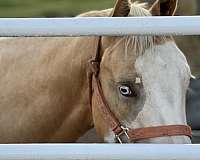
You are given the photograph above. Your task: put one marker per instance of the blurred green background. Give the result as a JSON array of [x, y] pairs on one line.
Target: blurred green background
[[69, 8], [50, 8]]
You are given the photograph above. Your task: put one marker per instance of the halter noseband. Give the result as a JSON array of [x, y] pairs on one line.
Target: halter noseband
[[119, 130]]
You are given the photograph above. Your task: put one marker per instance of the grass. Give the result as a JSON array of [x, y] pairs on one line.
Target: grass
[[50, 8]]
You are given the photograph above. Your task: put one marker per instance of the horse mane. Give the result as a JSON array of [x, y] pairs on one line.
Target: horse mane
[[137, 43], [137, 9]]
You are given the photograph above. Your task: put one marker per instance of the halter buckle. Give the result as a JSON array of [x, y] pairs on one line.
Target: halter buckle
[[94, 66], [123, 132]]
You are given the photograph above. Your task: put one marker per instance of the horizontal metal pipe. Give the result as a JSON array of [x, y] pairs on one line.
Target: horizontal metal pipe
[[91, 26], [99, 152]]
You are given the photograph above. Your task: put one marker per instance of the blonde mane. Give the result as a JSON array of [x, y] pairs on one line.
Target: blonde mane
[[139, 9]]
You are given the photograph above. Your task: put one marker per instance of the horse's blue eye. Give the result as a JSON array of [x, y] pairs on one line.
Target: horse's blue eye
[[125, 91]]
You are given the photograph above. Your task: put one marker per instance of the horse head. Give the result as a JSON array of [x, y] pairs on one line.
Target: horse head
[[142, 80]]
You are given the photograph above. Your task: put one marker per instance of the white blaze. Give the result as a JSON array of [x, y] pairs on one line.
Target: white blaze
[[165, 75]]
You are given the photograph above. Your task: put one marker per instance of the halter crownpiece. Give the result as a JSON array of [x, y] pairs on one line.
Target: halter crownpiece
[[119, 130]]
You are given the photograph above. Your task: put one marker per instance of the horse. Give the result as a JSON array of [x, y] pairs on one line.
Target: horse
[[130, 88]]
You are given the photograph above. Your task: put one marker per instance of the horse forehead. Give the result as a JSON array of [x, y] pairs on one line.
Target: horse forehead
[[162, 59]]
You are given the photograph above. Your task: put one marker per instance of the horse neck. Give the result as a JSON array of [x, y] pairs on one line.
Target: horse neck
[[74, 63]]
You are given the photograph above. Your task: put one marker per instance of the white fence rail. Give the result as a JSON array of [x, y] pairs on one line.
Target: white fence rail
[[99, 152], [99, 26]]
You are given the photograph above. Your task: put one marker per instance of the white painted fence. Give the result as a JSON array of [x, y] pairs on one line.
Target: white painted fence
[[90, 27], [100, 26], [99, 152]]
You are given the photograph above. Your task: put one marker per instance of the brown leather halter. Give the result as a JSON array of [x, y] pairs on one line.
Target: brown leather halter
[[132, 135]]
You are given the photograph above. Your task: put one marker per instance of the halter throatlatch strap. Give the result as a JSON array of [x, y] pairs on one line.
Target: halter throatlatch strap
[[94, 67], [120, 131], [108, 116]]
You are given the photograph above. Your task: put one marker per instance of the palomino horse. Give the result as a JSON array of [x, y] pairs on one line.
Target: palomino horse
[[138, 82]]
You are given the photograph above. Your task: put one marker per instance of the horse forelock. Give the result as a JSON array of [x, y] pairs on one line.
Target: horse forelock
[[139, 44], [139, 9]]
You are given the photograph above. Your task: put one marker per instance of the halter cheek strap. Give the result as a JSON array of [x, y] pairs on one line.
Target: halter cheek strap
[[132, 135]]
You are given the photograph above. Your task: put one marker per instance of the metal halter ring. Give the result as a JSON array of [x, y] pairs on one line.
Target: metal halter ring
[[123, 132]]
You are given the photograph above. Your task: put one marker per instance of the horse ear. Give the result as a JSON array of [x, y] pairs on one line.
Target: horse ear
[[155, 9], [164, 8], [121, 9]]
